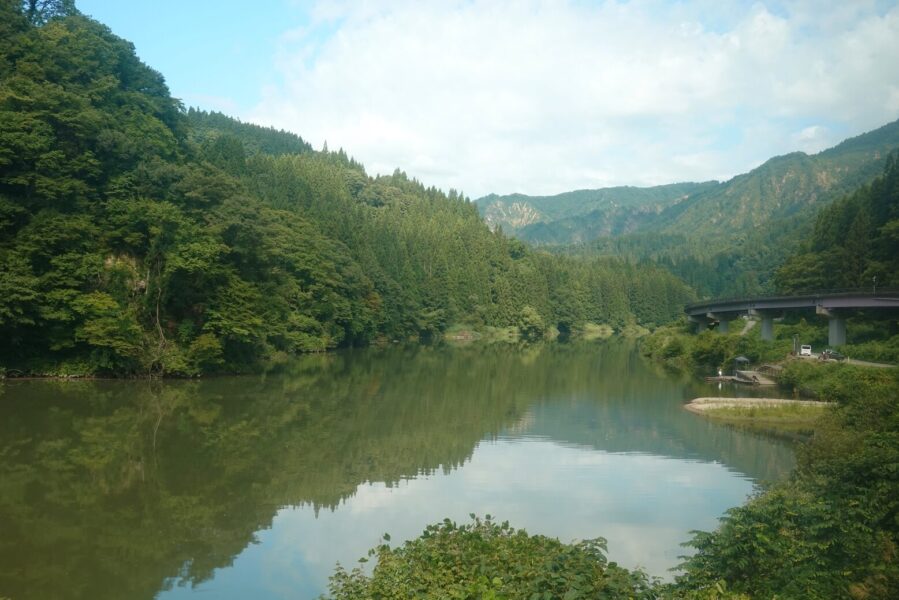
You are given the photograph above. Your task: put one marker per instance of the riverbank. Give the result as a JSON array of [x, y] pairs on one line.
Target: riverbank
[[777, 416], [513, 334], [454, 335], [830, 531]]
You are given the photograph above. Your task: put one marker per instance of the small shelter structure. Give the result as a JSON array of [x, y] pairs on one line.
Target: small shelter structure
[[740, 363]]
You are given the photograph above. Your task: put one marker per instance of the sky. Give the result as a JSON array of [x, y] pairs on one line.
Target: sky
[[532, 96]]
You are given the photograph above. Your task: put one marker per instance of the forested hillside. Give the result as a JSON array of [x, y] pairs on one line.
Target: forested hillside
[[583, 215], [140, 238], [855, 242], [722, 238]]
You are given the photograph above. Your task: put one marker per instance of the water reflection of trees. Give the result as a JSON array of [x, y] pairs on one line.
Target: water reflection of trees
[[110, 489]]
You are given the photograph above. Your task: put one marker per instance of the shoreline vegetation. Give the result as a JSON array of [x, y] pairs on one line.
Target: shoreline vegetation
[[830, 531], [776, 416], [453, 335]]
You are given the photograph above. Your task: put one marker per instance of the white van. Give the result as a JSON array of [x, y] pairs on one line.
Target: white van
[[805, 350]]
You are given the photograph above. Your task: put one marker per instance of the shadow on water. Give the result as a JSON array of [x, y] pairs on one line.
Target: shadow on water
[[118, 489]]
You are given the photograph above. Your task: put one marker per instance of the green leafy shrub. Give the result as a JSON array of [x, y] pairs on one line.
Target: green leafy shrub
[[484, 559], [833, 531], [886, 351], [840, 382], [530, 324]]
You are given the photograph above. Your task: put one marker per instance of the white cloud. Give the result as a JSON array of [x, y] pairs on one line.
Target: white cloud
[[550, 95], [813, 139]]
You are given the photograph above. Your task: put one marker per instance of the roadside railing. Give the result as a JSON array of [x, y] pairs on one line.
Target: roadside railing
[[890, 292]]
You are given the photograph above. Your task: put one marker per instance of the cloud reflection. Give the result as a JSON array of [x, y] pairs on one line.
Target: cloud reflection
[[643, 505]]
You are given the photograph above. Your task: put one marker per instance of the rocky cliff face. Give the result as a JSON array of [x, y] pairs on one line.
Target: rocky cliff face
[[511, 216]]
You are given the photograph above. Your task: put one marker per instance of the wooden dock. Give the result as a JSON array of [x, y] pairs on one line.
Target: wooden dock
[[744, 377]]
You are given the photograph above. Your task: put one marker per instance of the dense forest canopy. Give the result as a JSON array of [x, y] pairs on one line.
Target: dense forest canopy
[[855, 242], [140, 237]]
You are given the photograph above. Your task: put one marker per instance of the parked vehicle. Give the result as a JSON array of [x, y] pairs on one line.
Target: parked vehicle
[[805, 350], [829, 354]]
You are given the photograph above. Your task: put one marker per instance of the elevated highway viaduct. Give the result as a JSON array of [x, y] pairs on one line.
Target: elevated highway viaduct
[[836, 306]]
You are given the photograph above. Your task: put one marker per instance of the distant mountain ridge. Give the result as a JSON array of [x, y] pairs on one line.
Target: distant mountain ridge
[[609, 211], [785, 187]]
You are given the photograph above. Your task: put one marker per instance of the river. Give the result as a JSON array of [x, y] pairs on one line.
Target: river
[[256, 486]]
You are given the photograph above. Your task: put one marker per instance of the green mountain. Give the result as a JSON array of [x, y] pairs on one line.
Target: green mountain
[[781, 188], [795, 184], [721, 238], [582, 215], [215, 132], [855, 241]]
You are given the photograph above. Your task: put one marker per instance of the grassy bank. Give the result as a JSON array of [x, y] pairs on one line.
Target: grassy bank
[[677, 347], [790, 418]]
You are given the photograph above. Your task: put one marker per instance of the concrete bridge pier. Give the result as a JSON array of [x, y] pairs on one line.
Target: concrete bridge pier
[[701, 323], [836, 326], [836, 306], [767, 319], [721, 319]]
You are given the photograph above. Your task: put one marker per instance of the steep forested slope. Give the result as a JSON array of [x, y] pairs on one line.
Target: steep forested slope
[[137, 237], [224, 138], [784, 186], [854, 241], [582, 215]]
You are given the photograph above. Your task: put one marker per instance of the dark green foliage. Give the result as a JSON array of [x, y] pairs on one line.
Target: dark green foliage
[[782, 543], [208, 127], [40, 11], [136, 238], [710, 350], [488, 560], [855, 240], [883, 351], [833, 531], [838, 382], [530, 324], [124, 248]]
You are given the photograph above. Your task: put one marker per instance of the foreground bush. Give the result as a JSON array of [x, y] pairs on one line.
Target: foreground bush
[[487, 560]]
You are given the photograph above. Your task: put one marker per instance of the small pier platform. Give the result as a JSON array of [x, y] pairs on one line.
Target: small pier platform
[[721, 379], [744, 377]]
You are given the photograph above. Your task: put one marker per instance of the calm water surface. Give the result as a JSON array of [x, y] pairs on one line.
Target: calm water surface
[[256, 486]]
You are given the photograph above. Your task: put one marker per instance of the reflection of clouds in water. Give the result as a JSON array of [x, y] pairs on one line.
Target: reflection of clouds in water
[[643, 505], [377, 496]]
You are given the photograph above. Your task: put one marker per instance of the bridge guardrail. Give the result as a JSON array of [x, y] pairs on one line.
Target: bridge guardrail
[[889, 292]]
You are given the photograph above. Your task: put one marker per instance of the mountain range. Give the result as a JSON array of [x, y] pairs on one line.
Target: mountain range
[[720, 214], [722, 238]]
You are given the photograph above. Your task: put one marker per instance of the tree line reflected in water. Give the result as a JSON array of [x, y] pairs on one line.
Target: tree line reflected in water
[[114, 489]]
